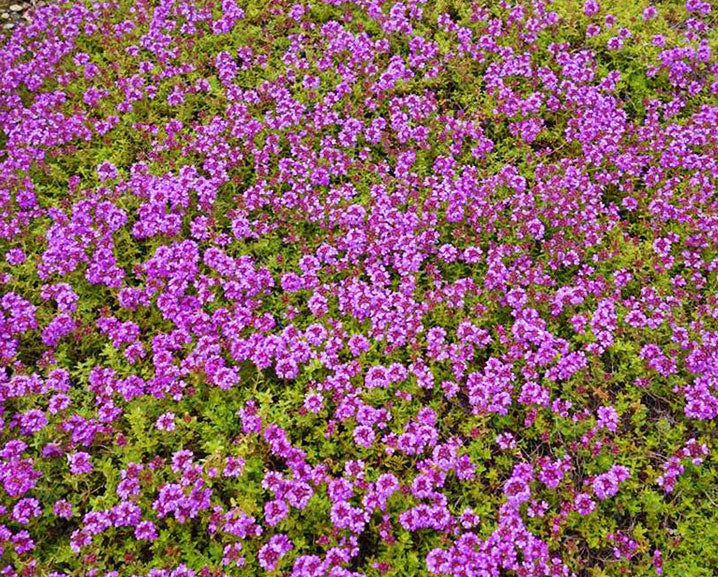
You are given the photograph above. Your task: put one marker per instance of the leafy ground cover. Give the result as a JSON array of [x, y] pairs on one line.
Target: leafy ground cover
[[361, 287]]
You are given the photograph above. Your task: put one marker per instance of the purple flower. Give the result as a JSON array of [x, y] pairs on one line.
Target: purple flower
[[62, 508], [506, 441], [32, 421], [615, 43], [25, 509], [145, 531], [658, 561], [166, 422], [270, 554], [584, 504], [291, 282], [606, 484], [234, 466], [79, 463], [649, 12], [275, 512], [15, 256], [364, 436], [313, 402], [591, 8], [106, 171], [607, 418], [308, 566], [23, 542]]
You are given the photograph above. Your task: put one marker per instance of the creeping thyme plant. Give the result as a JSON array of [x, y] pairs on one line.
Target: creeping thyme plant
[[355, 288]]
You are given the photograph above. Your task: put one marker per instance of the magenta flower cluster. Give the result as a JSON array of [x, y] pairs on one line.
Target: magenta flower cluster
[[350, 288]]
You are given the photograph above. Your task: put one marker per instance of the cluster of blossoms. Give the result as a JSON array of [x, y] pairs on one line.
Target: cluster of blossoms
[[673, 468], [354, 287]]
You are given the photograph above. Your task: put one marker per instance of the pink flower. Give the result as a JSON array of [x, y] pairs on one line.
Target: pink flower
[[25, 509], [593, 30], [313, 402], [607, 418], [583, 504], [658, 561], [506, 441], [166, 422]]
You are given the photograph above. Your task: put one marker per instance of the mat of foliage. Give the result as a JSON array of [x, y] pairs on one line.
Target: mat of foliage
[[359, 287]]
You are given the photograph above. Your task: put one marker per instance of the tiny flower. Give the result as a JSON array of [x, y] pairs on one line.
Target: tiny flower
[[166, 422], [364, 436], [591, 7], [291, 282], [650, 12], [506, 441], [234, 466], [313, 402], [516, 298], [468, 518], [25, 509], [275, 512], [593, 30], [58, 403], [270, 554], [658, 561], [62, 508], [629, 203], [15, 256], [615, 43], [583, 504], [23, 542], [607, 418], [536, 228], [106, 171], [146, 531], [79, 463]]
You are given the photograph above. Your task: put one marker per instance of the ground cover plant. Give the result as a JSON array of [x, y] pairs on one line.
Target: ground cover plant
[[343, 288]]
